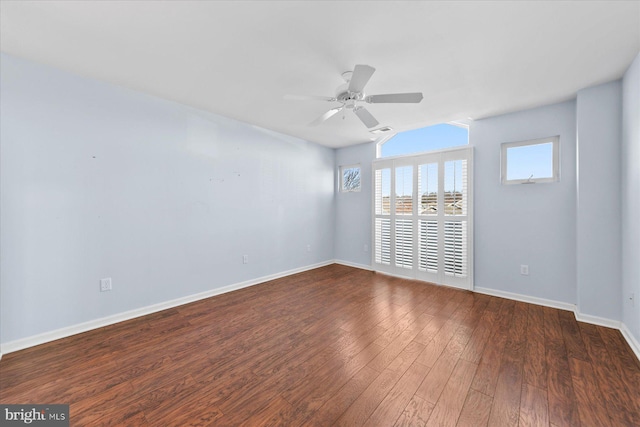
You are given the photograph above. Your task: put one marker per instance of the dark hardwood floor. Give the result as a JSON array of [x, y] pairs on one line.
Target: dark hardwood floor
[[337, 346]]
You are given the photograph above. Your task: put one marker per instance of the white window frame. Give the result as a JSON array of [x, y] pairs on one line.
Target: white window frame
[[440, 157], [341, 172], [555, 140]]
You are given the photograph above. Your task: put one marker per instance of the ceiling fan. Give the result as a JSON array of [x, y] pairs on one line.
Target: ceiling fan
[[350, 94]]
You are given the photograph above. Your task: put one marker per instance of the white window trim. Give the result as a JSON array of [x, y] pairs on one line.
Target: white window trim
[[555, 140], [341, 177], [440, 156]]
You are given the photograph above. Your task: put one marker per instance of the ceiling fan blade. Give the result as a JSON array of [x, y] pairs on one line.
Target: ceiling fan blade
[[326, 115], [365, 116], [308, 98], [360, 77], [395, 97]]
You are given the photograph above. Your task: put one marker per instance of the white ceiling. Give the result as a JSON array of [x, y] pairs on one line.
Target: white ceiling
[[238, 59]]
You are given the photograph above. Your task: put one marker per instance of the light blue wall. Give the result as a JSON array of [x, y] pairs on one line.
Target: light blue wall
[[514, 225], [532, 224], [631, 197], [353, 210], [99, 181], [598, 202]]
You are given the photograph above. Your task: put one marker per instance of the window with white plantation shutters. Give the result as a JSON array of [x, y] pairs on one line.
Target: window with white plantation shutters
[[422, 217]]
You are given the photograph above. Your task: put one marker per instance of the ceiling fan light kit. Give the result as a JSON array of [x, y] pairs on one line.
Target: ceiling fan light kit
[[351, 93]]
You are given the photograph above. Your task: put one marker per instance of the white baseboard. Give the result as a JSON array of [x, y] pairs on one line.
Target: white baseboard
[[595, 320], [581, 317], [353, 264], [109, 320], [526, 298], [633, 343], [45, 337]]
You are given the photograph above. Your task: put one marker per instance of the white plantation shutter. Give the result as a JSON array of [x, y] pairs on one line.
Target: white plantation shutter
[[404, 190], [455, 253], [455, 187], [382, 191], [428, 189], [428, 246], [404, 243], [422, 223], [383, 241]]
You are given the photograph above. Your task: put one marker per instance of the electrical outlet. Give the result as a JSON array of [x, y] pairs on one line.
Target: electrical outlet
[[308, 248], [105, 284], [632, 298], [245, 259], [524, 270], [365, 248]]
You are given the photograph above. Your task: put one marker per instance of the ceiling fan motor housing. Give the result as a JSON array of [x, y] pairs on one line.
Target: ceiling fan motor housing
[[350, 96], [351, 93]]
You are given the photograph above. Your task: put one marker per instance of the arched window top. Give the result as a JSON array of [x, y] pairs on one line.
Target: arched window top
[[431, 138]]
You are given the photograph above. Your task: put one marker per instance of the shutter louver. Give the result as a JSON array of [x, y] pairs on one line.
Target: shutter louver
[[455, 248], [383, 241], [404, 243], [428, 236]]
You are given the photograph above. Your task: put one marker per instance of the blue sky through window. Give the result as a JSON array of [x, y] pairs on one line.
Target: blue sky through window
[[534, 161], [430, 138]]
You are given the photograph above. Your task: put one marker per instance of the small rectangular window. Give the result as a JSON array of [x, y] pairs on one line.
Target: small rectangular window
[[530, 162], [350, 178]]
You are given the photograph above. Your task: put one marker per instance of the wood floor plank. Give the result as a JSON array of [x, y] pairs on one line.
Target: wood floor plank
[[572, 337], [535, 366], [476, 410], [449, 406], [506, 400], [333, 375], [591, 407], [415, 414], [329, 412], [624, 360], [337, 346], [394, 348], [622, 408], [364, 406], [489, 366], [110, 407], [475, 346], [562, 400], [398, 397], [533, 407], [437, 378]]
